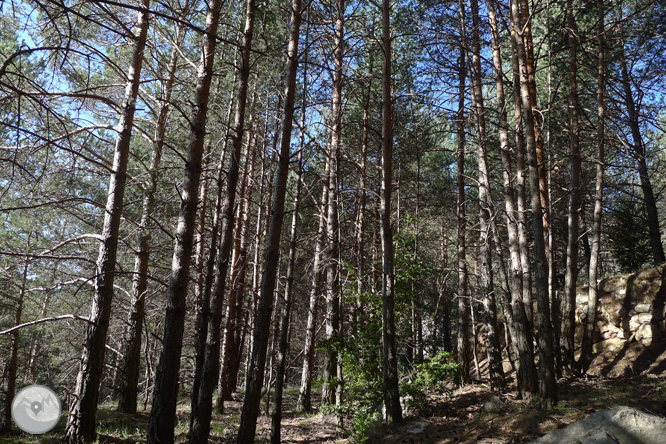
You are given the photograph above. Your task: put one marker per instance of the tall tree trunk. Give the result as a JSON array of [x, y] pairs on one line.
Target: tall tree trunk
[[530, 64], [248, 422], [163, 414], [521, 329], [486, 213], [638, 153], [592, 295], [521, 191], [464, 352], [81, 423], [203, 299], [390, 360], [200, 428], [444, 295], [129, 374], [547, 383], [571, 276], [283, 346], [331, 265], [232, 338], [304, 394], [358, 317], [12, 365]]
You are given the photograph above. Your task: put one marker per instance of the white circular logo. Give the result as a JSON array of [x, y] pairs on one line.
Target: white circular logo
[[36, 409]]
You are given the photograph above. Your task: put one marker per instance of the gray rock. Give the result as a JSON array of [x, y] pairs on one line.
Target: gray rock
[[642, 308], [493, 405], [619, 425], [417, 428]]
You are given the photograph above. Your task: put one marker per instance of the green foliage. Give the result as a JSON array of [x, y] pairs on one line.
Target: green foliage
[[630, 240], [437, 372]]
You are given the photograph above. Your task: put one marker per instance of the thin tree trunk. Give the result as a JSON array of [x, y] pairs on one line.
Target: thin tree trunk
[[521, 191], [332, 318], [81, 422], [129, 374], [390, 360], [521, 330], [463, 299], [248, 422], [203, 300], [641, 161], [283, 346], [163, 414], [12, 369], [232, 339], [547, 383], [592, 295], [358, 315], [200, 426], [304, 394], [446, 306], [571, 276], [486, 214]]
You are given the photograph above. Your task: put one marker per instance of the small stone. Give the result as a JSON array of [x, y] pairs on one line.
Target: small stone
[[493, 405], [645, 318], [417, 428], [644, 332], [642, 308]]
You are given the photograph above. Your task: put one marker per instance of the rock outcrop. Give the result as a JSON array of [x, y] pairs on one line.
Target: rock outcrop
[[630, 308], [619, 425]]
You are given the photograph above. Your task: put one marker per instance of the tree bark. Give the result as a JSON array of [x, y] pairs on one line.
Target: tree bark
[[248, 422], [390, 360], [283, 346], [464, 352], [331, 265], [200, 426], [591, 319], [521, 192], [486, 214], [547, 383], [304, 394], [638, 153], [163, 414], [129, 374], [81, 424], [233, 331], [521, 330], [571, 275], [12, 367]]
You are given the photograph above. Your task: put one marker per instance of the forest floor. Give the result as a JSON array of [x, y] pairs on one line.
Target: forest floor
[[458, 417]]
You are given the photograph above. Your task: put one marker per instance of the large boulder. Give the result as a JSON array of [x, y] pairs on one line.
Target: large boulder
[[619, 425]]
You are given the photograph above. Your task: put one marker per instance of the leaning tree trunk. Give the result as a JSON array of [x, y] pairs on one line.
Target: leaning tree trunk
[[464, 352], [248, 422], [81, 423], [390, 360], [521, 331], [547, 383], [591, 319], [331, 267], [486, 214], [200, 426], [163, 414], [129, 373], [571, 276], [641, 161]]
